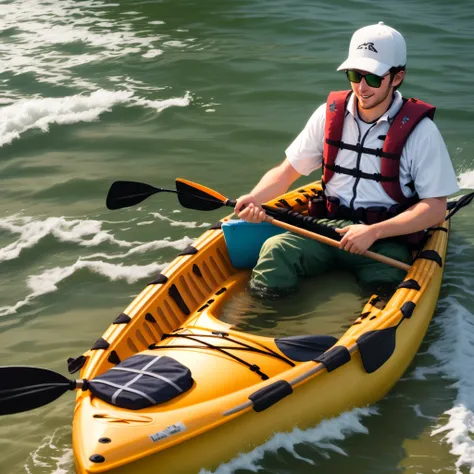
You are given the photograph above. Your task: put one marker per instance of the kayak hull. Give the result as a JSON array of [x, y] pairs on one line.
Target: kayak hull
[[215, 421]]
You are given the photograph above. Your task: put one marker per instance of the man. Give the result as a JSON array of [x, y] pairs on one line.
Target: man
[[387, 172]]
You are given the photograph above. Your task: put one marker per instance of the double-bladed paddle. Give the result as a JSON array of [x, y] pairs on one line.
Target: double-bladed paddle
[[198, 197], [24, 388]]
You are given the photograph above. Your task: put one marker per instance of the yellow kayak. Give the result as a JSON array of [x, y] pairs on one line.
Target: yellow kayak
[[209, 392]]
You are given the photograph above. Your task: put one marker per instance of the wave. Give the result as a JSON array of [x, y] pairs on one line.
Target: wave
[[466, 180], [47, 281], [40, 113], [179, 244], [53, 454], [160, 105], [455, 351], [173, 223], [41, 34], [323, 436], [75, 230], [85, 232]]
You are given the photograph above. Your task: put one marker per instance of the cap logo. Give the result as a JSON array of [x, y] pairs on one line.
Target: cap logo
[[369, 46]]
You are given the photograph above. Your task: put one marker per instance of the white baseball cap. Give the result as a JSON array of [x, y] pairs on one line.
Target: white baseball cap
[[375, 49]]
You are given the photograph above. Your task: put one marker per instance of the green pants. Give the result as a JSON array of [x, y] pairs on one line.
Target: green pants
[[286, 257]]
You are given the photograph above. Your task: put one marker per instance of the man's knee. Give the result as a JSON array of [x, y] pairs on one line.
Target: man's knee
[[278, 264], [279, 244]]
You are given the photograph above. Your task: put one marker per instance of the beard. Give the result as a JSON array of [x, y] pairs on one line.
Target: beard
[[377, 101]]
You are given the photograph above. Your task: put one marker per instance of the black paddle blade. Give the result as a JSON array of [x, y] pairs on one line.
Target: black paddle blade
[[376, 347], [196, 196], [25, 388], [128, 193]]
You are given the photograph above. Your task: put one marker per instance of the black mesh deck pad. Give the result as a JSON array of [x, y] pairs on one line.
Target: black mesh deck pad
[[142, 381]]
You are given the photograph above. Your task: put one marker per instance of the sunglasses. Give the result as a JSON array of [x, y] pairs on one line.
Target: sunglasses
[[372, 79]]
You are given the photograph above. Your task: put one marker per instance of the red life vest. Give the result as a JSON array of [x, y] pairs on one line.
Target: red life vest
[[404, 122]]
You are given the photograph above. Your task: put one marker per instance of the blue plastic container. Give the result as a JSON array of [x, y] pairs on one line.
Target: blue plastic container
[[244, 240]]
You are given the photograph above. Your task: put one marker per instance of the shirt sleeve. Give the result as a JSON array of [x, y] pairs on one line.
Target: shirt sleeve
[[430, 165], [306, 152]]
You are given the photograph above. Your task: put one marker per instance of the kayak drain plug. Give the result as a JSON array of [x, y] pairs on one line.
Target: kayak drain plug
[[97, 458]]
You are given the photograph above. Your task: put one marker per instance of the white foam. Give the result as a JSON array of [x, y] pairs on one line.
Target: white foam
[[160, 105], [52, 454], [87, 233], [179, 244], [323, 436], [47, 281], [152, 53], [173, 223], [52, 40], [466, 180], [455, 352], [40, 113], [175, 44], [419, 413], [39, 27], [6, 100], [134, 85], [211, 104]]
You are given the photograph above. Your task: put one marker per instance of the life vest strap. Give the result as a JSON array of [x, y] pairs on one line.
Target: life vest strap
[[361, 149], [356, 173]]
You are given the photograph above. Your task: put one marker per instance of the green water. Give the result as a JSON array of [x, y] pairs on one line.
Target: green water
[[214, 91]]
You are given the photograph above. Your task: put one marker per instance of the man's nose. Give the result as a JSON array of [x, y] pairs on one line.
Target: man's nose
[[363, 86]]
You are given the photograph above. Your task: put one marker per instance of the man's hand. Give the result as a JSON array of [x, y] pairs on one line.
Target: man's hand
[[248, 209], [357, 238]]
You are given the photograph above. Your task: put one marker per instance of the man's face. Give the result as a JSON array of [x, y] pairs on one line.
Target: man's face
[[369, 97]]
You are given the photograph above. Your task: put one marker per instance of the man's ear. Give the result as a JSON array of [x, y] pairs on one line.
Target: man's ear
[[398, 78]]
